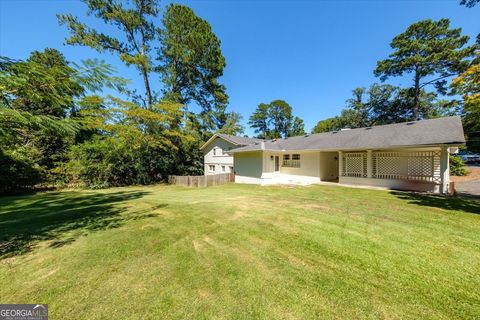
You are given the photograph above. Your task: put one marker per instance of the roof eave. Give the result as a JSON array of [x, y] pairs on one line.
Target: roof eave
[[450, 144], [216, 135]]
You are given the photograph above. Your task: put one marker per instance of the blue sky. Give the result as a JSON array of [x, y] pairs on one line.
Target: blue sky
[[309, 53]]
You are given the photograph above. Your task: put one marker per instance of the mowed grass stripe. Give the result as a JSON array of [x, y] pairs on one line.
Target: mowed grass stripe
[[242, 252]]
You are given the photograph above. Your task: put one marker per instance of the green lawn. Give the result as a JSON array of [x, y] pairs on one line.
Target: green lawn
[[241, 252]]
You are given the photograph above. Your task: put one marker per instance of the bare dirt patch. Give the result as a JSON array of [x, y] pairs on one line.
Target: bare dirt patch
[[238, 215], [203, 294], [197, 246], [317, 207]]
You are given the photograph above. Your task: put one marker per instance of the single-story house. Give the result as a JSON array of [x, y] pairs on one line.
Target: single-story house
[[216, 158], [407, 156]]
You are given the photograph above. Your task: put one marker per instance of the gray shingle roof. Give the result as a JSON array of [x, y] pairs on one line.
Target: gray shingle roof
[[241, 141], [238, 141], [438, 131]]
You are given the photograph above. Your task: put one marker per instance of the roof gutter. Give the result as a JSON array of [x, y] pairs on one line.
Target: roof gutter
[[262, 148]]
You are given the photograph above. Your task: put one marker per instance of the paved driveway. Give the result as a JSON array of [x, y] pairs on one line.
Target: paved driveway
[[469, 188], [469, 185]]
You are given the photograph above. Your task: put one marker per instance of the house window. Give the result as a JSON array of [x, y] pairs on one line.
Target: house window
[[211, 168], [217, 151], [223, 168], [292, 161], [231, 169]]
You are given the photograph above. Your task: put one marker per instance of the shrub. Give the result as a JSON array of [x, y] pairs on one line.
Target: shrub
[[109, 162], [457, 167], [18, 174]]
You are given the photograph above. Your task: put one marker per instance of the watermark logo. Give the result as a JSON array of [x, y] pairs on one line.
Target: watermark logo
[[23, 311]]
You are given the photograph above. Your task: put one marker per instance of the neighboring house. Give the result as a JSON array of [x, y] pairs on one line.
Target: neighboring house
[[409, 156], [216, 158]]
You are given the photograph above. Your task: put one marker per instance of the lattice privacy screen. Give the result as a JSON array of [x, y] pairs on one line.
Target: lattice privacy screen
[[408, 165], [354, 164]]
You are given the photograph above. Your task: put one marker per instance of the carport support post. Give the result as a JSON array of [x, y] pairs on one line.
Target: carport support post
[[444, 170], [369, 164], [340, 164]]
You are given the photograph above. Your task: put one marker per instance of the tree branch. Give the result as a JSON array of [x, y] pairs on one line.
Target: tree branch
[[434, 80]]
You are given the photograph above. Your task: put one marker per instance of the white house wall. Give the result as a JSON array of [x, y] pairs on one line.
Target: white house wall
[[309, 165], [218, 160], [328, 166], [259, 168], [392, 184], [269, 162], [248, 167]]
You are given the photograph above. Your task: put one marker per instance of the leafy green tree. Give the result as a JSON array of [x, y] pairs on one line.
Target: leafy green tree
[[191, 63], [17, 173], [469, 3], [124, 151], [38, 102], [467, 85], [259, 121], [181, 48], [326, 125], [280, 115], [385, 104], [431, 52], [37, 95], [134, 47], [232, 125], [297, 128], [45, 84], [357, 111], [275, 120]]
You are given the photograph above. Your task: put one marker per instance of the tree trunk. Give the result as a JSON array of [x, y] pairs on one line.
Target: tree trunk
[[416, 98], [147, 89]]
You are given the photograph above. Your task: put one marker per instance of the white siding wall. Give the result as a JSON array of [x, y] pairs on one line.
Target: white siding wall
[[309, 165], [248, 167], [328, 166], [220, 159], [269, 162], [259, 167], [392, 184]]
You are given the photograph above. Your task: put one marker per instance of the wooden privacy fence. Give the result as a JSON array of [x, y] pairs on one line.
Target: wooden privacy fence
[[202, 181]]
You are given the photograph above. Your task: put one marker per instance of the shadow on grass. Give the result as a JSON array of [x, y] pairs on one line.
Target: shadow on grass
[[61, 218], [470, 205]]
